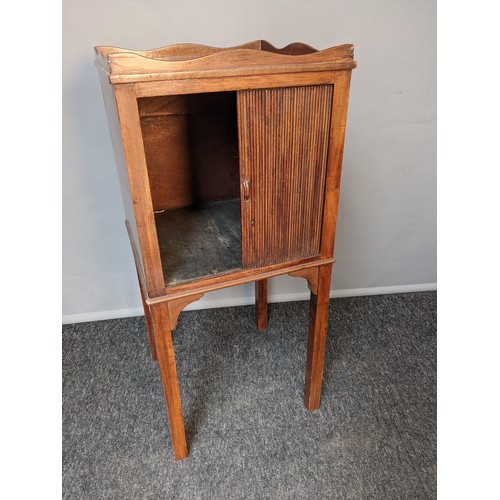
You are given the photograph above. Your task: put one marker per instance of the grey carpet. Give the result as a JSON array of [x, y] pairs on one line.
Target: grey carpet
[[249, 434]]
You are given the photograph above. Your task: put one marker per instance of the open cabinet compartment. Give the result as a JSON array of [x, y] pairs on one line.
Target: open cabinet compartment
[[191, 148], [199, 123]]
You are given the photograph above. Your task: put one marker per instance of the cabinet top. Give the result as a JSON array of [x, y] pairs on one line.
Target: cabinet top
[[186, 61]]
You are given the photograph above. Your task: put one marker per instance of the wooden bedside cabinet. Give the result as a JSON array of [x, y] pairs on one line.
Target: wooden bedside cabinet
[[229, 163]]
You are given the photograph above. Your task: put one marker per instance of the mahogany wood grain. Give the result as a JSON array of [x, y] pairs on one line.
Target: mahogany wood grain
[[129, 66], [128, 115], [191, 50], [237, 278], [261, 304], [149, 321], [174, 52], [166, 361], [137, 260], [191, 148], [316, 339], [175, 307], [283, 152], [249, 82], [335, 155], [166, 145], [121, 165]]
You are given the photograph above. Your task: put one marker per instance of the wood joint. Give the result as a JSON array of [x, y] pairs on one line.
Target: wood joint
[[311, 275], [175, 307]]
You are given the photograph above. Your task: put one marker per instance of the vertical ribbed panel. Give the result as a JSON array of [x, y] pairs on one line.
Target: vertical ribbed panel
[[283, 142]]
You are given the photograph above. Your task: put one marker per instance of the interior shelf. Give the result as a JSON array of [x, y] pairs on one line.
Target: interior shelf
[[199, 241]]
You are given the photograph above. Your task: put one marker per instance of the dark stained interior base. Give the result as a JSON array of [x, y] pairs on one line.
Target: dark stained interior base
[[199, 241]]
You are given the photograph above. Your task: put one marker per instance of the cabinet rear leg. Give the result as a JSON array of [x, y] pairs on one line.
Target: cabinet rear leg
[[261, 304]]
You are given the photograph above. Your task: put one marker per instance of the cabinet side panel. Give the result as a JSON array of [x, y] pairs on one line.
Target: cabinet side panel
[[114, 128], [283, 140]]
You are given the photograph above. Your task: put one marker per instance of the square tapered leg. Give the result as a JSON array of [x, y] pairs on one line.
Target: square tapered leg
[[316, 339], [166, 361], [261, 304]]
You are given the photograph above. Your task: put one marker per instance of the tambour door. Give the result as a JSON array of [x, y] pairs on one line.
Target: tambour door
[[283, 147]]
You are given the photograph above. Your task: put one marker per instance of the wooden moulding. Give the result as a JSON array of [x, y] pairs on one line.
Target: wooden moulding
[[311, 275], [186, 61], [230, 83], [176, 306], [236, 278]]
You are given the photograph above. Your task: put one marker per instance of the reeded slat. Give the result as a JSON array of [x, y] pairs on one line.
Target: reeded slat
[[283, 149]]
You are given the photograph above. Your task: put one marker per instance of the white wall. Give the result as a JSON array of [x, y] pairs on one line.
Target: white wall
[[386, 237]]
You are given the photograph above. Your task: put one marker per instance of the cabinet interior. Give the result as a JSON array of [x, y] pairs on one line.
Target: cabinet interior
[[191, 148]]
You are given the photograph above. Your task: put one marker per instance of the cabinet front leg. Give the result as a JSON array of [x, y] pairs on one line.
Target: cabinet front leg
[[149, 322], [261, 304], [316, 339], [168, 371]]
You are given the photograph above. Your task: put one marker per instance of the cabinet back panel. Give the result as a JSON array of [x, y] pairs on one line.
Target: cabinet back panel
[[191, 147], [283, 141]]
